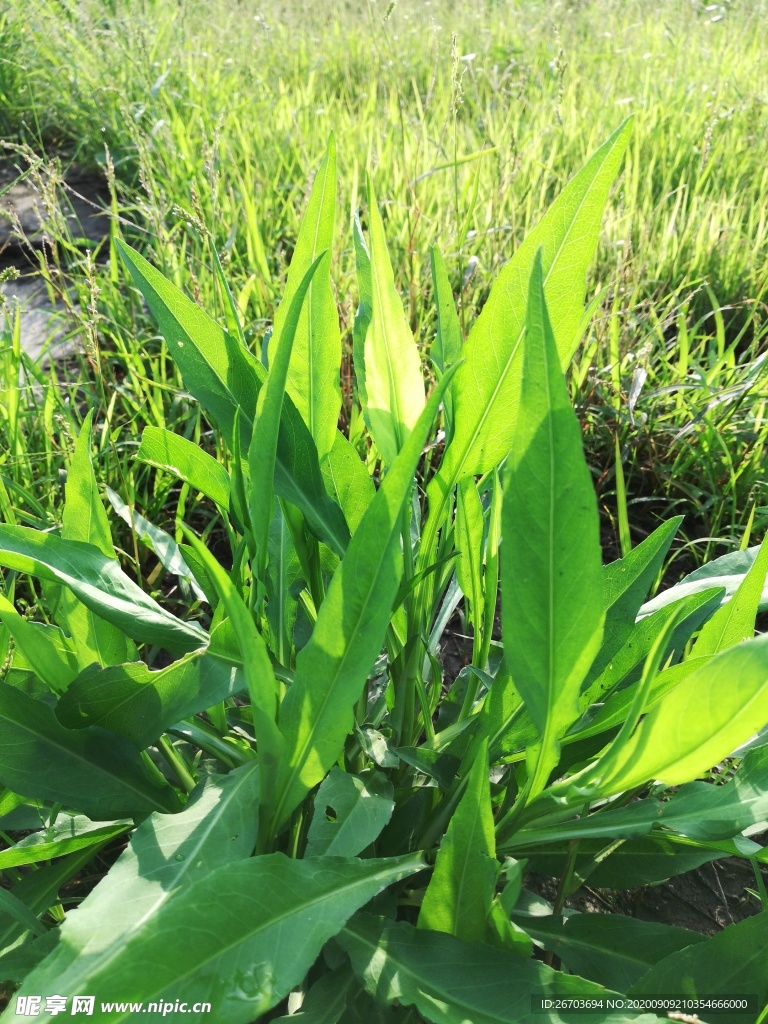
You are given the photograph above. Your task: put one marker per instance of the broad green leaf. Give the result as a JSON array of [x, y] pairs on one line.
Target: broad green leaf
[[486, 390], [262, 452], [95, 771], [347, 481], [46, 650], [139, 703], [733, 961], [313, 377], [611, 949], [735, 620], [459, 896], [698, 810], [626, 583], [317, 712], [167, 854], [84, 519], [728, 571], [68, 834], [261, 924], [698, 723], [446, 348], [470, 527], [646, 860], [393, 384], [224, 377], [453, 982], [158, 541], [187, 461], [552, 614], [100, 584], [350, 812]]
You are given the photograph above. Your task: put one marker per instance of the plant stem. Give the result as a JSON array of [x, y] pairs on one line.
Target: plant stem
[[177, 763]]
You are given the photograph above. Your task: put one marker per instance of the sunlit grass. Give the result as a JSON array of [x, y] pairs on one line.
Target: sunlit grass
[[211, 113]]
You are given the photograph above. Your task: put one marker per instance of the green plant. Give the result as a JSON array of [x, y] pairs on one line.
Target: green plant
[[338, 831]]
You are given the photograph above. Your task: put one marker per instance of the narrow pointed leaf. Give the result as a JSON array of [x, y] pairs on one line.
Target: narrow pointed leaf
[[46, 650], [262, 452], [217, 370], [626, 583], [610, 949], [139, 703], [347, 481], [158, 541], [470, 527], [735, 620], [699, 810], [486, 390], [364, 308], [38, 890], [701, 721], [446, 348], [284, 581], [459, 895], [728, 571], [393, 382], [313, 376], [85, 519], [552, 596], [100, 584], [68, 834]]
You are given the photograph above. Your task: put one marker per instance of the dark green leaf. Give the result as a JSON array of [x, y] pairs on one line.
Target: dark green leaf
[[100, 584], [453, 982], [350, 812], [93, 770]]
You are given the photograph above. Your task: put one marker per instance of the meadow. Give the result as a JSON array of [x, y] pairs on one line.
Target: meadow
[[277, 697]]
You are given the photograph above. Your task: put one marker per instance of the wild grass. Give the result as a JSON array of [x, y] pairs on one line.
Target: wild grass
[[209, 118]]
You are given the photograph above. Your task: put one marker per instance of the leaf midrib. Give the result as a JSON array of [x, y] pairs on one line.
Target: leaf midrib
[[210, 822], [284, 915], [486, 410]]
